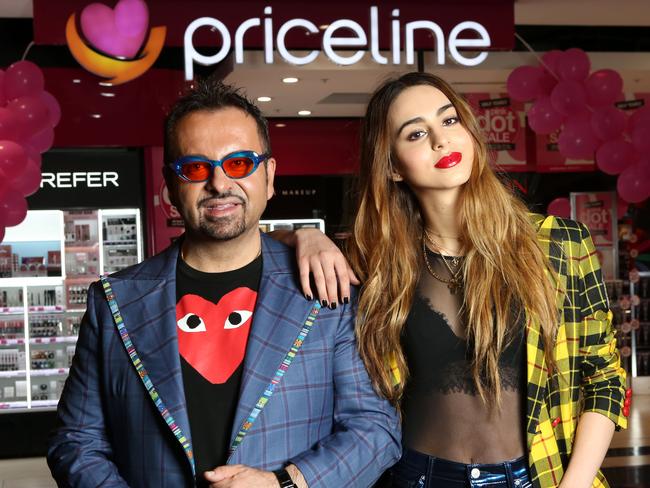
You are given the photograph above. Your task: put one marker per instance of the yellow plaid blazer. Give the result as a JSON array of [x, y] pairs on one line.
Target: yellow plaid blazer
[[585, 352]]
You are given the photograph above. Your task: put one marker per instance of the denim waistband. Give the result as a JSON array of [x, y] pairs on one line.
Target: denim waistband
[[423, 462]]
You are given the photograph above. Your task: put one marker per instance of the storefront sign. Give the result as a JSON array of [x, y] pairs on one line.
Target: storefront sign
[[463, 35]]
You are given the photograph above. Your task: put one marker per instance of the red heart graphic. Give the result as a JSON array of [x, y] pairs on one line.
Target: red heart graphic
[[212, 337]]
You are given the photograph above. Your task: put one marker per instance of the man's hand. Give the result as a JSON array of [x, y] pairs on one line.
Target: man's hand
[[240, 476]]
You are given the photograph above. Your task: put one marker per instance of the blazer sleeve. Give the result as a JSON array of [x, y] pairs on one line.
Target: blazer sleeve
[[79, 453], [366, 435], [603, 378]]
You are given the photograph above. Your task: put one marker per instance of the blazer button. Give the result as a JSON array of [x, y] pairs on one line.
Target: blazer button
[[556, 422]]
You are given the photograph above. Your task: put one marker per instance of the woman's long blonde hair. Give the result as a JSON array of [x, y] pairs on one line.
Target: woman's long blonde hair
[[505, 267]]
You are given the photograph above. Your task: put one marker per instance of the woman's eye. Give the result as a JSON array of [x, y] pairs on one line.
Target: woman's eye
[[450, 121], [416, 135]]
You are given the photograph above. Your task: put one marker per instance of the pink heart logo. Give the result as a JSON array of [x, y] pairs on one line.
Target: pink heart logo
[[118, 32]]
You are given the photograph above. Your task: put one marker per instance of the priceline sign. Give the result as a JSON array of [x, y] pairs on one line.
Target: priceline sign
[[465, 34]]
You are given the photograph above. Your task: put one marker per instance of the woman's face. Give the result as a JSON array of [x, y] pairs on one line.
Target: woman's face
[[433, 150]]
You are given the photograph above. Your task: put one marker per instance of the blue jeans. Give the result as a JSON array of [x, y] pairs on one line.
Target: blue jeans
[[418, 470]]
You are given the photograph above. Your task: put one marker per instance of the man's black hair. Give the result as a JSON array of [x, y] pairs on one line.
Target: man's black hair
[[210, 94]]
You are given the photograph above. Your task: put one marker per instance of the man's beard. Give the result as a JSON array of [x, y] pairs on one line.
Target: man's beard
[[223, 228]]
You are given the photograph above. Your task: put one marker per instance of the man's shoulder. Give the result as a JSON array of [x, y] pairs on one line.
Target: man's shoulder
[[278, 257]]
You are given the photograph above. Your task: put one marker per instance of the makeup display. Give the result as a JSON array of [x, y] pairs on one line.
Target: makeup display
[[46, 266]]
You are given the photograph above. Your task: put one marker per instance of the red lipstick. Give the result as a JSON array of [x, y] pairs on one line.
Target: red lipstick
[[449, 161]]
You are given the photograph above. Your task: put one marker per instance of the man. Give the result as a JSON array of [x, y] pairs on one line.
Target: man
[[204, 364]]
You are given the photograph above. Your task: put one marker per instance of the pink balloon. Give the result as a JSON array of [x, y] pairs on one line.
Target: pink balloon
[[613, 157], [42, 141], [632, 184], [573, 64], [550, 59], [543, 118], [3, 98], [577, 140], [560, 207], [14, 207], [639, 117], [53, 108], [523, 83], [641, 138], [608, 122], [33, 154], [569, 97], [9, 129], [546, 83], [29, 181], [603, 87], [31, 113], [23, 78], [12, 158]]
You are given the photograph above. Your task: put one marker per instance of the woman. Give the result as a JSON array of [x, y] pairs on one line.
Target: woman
[[488, 326]]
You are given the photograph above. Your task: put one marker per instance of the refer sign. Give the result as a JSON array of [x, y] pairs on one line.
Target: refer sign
[[465, 34]]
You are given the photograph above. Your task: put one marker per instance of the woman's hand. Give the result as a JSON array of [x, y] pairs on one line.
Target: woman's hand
[[319, 256]]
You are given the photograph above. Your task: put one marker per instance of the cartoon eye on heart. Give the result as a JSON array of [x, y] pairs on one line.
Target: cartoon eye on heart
[[237, 318], [191, 323]]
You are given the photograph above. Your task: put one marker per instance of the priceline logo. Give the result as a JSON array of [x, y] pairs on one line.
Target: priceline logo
[[330, 42]]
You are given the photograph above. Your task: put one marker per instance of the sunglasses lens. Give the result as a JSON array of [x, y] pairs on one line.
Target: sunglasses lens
[[238, 167], [196, 170]]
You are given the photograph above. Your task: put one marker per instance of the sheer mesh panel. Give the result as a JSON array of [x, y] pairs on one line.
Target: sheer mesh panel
[[444, 415]]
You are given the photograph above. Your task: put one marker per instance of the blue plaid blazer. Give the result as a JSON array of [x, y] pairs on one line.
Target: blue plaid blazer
[[324, 417]]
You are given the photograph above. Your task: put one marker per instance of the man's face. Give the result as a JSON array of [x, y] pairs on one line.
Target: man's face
[[221, 208]]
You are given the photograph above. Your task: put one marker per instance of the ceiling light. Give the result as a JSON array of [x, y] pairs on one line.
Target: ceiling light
[[323, 27], [107, 94], [96, 116], [105, 83], [263, 99], [304, 112], [76, 80], [290, 79], [280, 125]]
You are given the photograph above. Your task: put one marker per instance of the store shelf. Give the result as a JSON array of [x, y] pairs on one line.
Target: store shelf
[[12, 342], [13, 405], [19, 373], [12, 311], [74, 248], [49, 372], [52, 340], [129, 242], [46, 309], [44, 403]]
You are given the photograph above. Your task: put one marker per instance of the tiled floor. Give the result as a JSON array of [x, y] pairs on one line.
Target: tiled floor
[[626, 466]]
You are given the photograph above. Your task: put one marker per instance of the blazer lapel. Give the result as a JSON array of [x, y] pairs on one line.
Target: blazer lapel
[[147, 302], [277, 320]]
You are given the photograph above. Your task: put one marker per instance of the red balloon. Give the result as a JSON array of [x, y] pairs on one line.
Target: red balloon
[[608, 122], [550, 59], [31, 113], [12, 158], [641, 138], [9, 129], [33, 154], [23, 78], [560, 207], [632, 184], [53, 108], [613, 157], [42, 141], [523, 83], [577, 140], [639, 117], [573, 64], [543, 118], [29, 181], [603, 87], [569, 97], [14, 207]]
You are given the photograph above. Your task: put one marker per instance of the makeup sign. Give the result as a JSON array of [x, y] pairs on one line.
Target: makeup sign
[[503, 123]]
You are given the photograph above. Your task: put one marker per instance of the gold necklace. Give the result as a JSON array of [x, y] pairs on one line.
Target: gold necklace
[[454, 283], [455, 260]]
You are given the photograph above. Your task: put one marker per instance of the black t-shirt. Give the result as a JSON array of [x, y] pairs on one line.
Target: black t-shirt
[[214, 312]]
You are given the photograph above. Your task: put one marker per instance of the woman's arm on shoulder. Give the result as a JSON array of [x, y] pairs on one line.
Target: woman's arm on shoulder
[[319, 257]]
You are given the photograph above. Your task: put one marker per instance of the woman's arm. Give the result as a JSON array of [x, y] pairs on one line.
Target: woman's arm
[[319, 256], [593, 435]]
